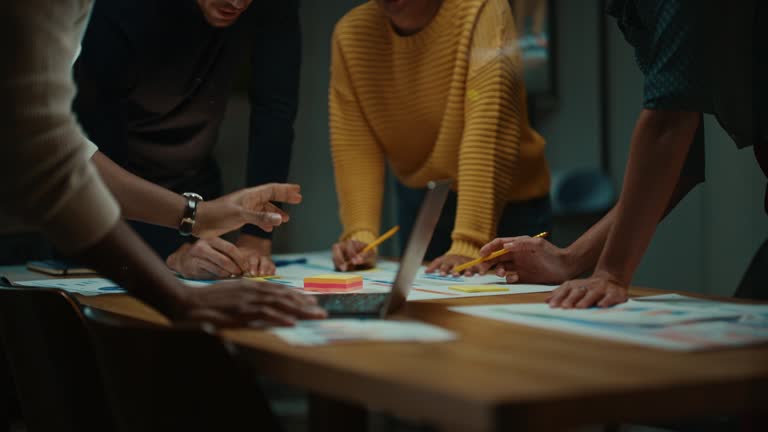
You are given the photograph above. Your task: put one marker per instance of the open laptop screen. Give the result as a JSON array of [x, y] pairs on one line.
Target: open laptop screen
[[431, 208]]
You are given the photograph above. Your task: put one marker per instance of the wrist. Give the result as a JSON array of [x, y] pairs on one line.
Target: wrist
[[618, 277], [362, 236], [189, 218], [215, 218], [202, 225], [180, 303], [262, 246], [578, 259], [570, 259], [464, 248]]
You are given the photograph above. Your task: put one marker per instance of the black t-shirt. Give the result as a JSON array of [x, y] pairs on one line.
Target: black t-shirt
[[154, 80]]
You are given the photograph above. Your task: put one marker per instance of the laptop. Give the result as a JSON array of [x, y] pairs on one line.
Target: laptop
[[380, 305]]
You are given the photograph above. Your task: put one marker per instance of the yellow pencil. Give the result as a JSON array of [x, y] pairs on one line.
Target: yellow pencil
[[498, 253], [381, 239]]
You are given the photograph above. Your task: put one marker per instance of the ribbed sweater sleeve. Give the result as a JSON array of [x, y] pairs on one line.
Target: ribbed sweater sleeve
[[47, 179], [489, 149], [358, 160]]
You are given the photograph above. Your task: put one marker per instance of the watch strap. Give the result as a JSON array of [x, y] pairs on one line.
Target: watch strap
[[190, 213]]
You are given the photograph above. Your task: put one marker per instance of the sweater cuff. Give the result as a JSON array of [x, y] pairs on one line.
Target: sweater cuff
[[366, 237], [90, 214], [464, 248]]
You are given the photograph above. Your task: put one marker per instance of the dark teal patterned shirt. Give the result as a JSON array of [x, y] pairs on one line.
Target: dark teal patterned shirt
[[673, 50], [701, 56]]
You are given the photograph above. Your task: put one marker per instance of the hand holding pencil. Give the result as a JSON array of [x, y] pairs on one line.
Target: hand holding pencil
[[353, 254], [531, 260], [489, 257]]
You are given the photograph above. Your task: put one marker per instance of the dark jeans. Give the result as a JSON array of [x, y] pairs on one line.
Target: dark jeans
[[523, 218]]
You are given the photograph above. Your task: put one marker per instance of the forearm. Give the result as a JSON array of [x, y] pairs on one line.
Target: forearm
[[140, 200], [582, 254], [359, 170], [485, 177], [122, 257], [489, 154], [659, 147], [359, 187]]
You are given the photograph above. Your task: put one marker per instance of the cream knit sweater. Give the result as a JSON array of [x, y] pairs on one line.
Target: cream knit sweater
[[46, 177]]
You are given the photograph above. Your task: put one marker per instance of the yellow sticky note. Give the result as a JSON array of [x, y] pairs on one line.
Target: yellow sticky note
[[372, 269], [261, 278], [478, 288]]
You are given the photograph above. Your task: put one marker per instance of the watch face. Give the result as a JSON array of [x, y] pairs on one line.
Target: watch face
[[192, 195]]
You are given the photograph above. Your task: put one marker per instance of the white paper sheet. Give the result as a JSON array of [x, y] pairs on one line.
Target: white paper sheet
[[629, 313], [749, 312], [715, 328], [377, 280], [425, 286], [84, 286], [88, 286], [361, 330]]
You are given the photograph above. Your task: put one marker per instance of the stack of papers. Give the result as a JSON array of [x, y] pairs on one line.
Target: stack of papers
[[361, 330], [669, 321]]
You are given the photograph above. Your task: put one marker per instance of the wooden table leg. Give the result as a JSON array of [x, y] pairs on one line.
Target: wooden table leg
[[331, 415]]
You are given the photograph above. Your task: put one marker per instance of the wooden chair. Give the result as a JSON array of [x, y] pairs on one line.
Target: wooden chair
[[175, 379], [52, 362]]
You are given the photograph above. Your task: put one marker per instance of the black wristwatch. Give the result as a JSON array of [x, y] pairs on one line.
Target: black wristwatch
[[190, 212]]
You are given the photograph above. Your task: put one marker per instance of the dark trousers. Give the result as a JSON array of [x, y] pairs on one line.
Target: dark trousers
[[522, 218]]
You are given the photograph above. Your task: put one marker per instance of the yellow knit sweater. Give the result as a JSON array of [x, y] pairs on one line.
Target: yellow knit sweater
[[447, 102]]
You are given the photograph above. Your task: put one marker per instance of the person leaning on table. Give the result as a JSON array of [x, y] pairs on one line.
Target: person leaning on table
[[154, 79], [434, 88], [49, 181], [682, 62]]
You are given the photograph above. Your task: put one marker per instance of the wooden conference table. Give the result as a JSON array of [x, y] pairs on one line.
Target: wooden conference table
[[505, 377]]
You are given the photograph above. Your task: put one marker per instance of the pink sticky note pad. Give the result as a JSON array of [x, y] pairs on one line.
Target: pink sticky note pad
[[333, 282]]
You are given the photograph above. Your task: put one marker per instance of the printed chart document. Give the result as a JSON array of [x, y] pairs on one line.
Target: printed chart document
[[629, 313], [669, 321], [379, 279], [330, 331]]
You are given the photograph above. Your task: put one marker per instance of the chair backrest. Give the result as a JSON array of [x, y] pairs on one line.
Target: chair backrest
[[52, 361], [170, 378]]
